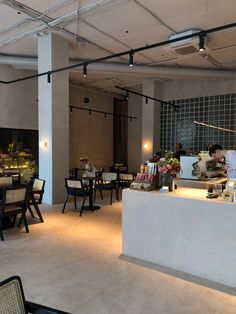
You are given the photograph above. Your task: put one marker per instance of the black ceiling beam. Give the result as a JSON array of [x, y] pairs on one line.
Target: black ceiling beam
[[127, 52], [103, 112], [148, 97]]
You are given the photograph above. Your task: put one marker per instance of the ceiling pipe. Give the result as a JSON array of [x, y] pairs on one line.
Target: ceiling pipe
[[31, 63]]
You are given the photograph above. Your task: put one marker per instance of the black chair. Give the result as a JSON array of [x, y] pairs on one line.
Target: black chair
[[12, 299], [107, 182], [13, 202], [75, 188], [35, 197], [125, 179]]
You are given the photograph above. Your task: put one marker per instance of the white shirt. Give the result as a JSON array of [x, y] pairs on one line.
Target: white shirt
[[230, 159], [90, 170]]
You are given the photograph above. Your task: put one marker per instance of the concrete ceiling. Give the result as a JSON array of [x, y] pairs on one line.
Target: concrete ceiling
[[101, 28]]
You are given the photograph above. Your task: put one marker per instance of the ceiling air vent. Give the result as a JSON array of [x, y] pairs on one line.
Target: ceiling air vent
[[185, 46]]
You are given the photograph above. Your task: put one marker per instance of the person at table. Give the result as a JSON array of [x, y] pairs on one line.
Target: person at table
[[218, 153], [179, 151], [89, 168]]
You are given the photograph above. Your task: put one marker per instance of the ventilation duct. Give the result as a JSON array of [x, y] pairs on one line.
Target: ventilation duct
[[185, 46]]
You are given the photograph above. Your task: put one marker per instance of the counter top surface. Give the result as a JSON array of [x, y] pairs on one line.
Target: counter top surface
[[188, 193]]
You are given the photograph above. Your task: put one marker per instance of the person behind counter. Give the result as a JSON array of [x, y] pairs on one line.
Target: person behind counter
[[218, 153], [179, 151], [156, 157]]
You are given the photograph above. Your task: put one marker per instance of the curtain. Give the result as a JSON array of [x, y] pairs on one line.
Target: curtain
[[120, 131]]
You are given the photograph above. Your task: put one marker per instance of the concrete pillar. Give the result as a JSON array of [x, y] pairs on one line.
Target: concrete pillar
[[150, 121], [53, 112]]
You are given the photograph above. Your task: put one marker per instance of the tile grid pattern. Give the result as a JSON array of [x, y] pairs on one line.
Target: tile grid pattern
[[178, 126]]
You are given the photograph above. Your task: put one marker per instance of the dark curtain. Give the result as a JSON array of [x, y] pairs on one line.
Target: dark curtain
[[120, 131]]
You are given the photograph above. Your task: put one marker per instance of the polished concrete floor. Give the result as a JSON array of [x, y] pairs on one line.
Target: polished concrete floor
[[72, 263]]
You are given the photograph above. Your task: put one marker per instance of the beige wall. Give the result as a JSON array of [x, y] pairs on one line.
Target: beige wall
[[18, 100], [91, 135]]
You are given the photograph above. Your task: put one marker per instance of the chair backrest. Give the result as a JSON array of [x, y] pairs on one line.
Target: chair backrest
[[38, 185], [109, 176], [15, 196], [12, 299], [127, 176], [74, 184], [5, 180]]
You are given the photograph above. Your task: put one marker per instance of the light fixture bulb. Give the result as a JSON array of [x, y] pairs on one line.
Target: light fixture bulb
[[84, 70], [42, 144], [131, 59], [201, 43]]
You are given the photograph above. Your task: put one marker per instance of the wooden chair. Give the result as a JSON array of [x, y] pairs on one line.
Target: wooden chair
[[5, 180], [12, 299], [13, 202], [109, 183], [75, 188], [125, 179], [35, 197]]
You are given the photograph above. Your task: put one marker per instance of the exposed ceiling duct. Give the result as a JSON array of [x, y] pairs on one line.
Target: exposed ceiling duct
[[115, 68]]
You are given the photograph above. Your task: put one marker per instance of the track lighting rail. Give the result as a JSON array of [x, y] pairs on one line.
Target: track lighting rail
[[128, 52], [148, 97], [102, 112]]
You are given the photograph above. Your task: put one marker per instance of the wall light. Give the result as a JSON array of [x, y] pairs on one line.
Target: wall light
[[145, 145], [42, 144]]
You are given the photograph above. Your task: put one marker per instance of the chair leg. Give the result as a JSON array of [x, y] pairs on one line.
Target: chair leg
[[75, 202], [64, 206], [30, 210], [20, 221], [13, 220], [82, 207], [117, 194], [101, 194], [25, 222], [1, 234], [111, 197]]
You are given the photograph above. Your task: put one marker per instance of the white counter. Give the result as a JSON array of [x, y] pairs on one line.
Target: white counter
[[182, 230]]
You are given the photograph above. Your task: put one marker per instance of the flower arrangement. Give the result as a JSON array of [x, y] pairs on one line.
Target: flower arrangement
[[15, 156], [168, 164]]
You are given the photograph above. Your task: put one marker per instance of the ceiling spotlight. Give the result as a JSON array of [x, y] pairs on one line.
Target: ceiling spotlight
[[201, 42], [71, 109], [84, 70], [127, 95], [131, 59], [86, 100], [146, 100]]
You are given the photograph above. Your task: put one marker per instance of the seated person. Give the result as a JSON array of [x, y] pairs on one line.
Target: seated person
[[89, 169]]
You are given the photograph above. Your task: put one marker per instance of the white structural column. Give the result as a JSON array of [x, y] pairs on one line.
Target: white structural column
[[150, 121], [53, 112]]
